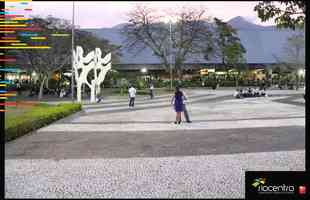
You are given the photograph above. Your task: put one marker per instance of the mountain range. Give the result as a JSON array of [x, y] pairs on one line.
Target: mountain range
[[262, 43]]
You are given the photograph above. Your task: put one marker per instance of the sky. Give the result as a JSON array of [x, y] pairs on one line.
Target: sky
[[105, 14]]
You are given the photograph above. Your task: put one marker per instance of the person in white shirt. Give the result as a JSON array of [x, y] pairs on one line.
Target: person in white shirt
[[151, 91], [62, 93], [132, 95], [236, 93]]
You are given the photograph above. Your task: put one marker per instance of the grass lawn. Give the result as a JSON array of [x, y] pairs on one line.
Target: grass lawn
[[19, 109], [25, 118]]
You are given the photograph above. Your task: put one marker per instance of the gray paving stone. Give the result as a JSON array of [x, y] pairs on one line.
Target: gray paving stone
[[117, 153]]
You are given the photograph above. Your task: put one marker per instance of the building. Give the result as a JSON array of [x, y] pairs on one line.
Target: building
[[263, 45]]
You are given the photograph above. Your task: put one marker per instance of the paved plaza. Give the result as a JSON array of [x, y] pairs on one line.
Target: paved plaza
[[109, 150]]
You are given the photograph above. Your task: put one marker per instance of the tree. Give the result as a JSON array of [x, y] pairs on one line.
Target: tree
[[235, 58], [45, 62], [294, 56], [190, 35], [287, 14], [295, 51], [228, 46]]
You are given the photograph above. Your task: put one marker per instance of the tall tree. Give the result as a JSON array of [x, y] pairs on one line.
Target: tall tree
[[295, 51], [190, 35], [226, 39], [287, 14], [228, 47], [293, 58], [235, 58], [47, 61]]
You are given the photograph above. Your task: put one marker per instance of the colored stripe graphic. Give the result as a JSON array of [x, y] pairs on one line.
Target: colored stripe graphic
[[7, 60], [7, 82], [14, 15], [8, 94], [23, 1], [27, 47], [21, 19], [7, 9], [9, 22], [22, 29], [19, 44], [10, 70], [8, 104], [7, 31], [9, 40], [2, 85], [13, 25], [15, 18], [6, 12]]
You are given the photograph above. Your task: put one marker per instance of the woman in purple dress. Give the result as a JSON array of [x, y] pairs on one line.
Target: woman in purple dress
[[177, 100]]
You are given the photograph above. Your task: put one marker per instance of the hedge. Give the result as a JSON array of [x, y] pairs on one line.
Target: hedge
[[39, 116]]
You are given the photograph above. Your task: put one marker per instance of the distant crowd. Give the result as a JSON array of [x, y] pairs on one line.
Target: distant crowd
[[250, 92]]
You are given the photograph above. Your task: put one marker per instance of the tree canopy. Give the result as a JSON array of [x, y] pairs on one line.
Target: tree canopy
[[47, 61], [228, 46], [189, 35], [287, 14]]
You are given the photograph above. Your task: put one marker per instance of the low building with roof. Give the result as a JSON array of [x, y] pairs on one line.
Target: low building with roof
[[263, 44]]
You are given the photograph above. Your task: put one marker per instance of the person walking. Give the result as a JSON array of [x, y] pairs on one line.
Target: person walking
[[184, 108], [18, 88], [152, 91], [132, 95], [62, 93], [177, 101]]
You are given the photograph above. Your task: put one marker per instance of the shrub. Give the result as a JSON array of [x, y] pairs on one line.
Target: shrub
[[37, 117], [228, 83], [143, 92], [123, 86]]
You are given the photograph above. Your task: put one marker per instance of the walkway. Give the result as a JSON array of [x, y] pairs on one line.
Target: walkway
[[111, 151]]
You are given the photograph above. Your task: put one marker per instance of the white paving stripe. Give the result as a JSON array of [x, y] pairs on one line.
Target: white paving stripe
[[156, 102], [300, 100], [137, 105], [67, 127], [142, 101], [205, 176], [123, 101]]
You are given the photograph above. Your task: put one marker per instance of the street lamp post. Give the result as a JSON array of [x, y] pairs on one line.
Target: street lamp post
[[72, 48], [170, 54]]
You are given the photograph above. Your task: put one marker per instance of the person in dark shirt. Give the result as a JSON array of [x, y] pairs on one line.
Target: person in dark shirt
[[177, 101]]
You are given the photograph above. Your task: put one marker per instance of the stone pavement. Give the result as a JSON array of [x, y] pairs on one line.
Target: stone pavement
[[111, 151]]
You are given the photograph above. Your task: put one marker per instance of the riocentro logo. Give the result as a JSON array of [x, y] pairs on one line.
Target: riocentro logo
[[260, 185], [259, 181]]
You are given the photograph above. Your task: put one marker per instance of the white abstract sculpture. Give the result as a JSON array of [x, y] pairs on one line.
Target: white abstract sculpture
[[92, 61], [104, 65]]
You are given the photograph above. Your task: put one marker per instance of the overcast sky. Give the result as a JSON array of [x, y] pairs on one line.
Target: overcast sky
[[96, 14]]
